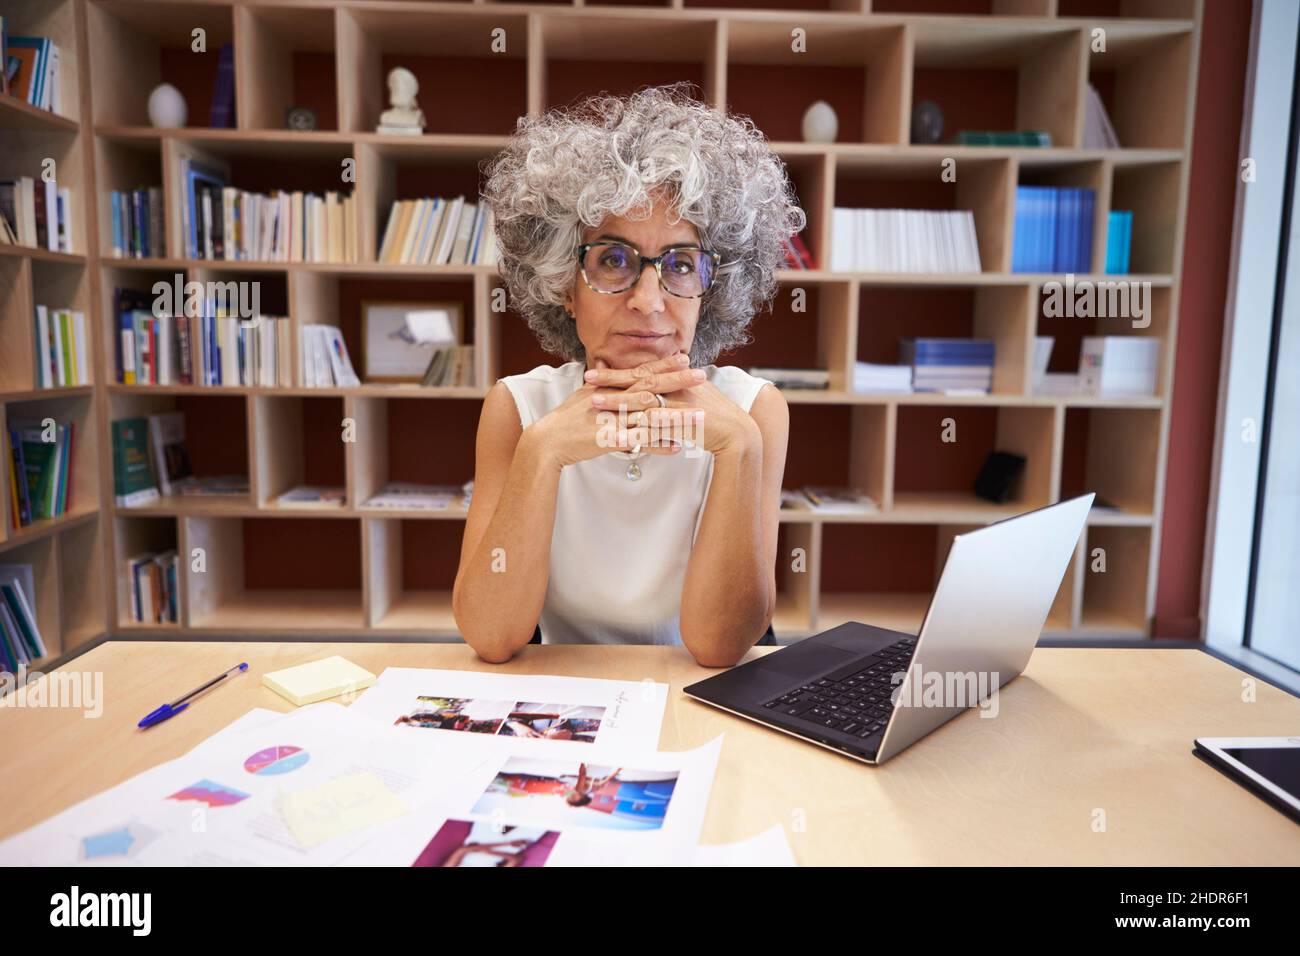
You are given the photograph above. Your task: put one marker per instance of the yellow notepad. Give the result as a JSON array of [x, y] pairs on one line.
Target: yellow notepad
[[319, 680]]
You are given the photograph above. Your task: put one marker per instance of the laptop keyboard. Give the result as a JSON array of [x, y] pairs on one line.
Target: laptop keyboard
[[856, 699]]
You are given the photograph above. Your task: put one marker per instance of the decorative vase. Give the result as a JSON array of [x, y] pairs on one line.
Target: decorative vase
[[820, 124], [167, 107]]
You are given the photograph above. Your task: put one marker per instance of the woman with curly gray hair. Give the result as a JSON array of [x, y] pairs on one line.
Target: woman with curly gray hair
[[574, 524]]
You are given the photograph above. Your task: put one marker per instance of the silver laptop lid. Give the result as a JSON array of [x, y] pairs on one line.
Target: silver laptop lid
[[985, 616]]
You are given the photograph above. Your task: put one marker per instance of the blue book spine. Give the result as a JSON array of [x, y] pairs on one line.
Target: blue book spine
[[1112, 243], [1062, 235], [1126, 260], [1020, 232], [1088, 205]]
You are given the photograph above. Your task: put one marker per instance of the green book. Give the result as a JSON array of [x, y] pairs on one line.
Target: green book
[[41, 459], [133, 482]]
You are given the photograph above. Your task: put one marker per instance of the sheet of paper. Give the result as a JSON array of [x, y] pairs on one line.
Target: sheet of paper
[[559, 804], [219, 803], [769, 848], [506, 707], [109, 828]]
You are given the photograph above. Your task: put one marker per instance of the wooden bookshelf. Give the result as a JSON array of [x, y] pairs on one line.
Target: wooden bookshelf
[[991, 63], [67, 553]]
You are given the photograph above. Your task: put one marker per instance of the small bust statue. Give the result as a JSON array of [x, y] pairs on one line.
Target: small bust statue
[[403, 115]]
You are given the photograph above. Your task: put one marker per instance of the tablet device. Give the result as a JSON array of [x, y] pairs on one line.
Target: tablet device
[[1268, 767]]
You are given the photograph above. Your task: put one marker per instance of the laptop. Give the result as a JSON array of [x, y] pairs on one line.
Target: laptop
[[870, 693]]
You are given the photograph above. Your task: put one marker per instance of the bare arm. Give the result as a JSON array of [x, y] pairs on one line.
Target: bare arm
[[498, 595], [730, 591]]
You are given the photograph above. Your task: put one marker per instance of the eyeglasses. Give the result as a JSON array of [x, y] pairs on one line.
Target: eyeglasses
[[684, 271]]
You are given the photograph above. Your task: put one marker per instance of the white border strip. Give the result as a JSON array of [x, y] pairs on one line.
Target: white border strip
[[1252, 286]]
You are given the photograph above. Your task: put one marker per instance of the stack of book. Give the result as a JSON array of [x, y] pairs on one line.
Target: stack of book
[[794, 378], [797, 255], [209, 349], [1016, 138], [30, 68], [37, 215], [40, 470], [410, 496], [153, 588], [325, 360], [904, 240], [949, 365], [838, 500], [62, 348], [436, 231], [21, 643], [869, 377], [1119, 241], [449, 367], [1053, 230], [221, 222], [1118, 365], [137, 216]]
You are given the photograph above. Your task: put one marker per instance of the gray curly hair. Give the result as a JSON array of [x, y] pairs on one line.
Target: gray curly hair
[[609, 155]]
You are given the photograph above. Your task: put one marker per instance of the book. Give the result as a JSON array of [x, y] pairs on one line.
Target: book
[[153, 595], [1119, 240], [312, 497], [1098, 131], [18, 589], [949, 364], [437, 231], [1118, 365], [325, 360], [838, 500], [904, 240], [207, 486], [794, 378], [1013, 138], [40, 462], [222, 113], [1052, 229], [171, 458], [133, 479], [870, 377], [410, 496], [63, 347]]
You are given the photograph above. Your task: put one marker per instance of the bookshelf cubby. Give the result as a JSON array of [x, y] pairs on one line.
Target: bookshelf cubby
[[989, 64]]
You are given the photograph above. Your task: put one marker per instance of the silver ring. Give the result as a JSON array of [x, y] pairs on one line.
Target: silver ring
[[663, 402]]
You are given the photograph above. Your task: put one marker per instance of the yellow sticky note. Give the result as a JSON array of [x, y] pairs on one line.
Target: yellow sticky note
[[343, 805], [319, 680]]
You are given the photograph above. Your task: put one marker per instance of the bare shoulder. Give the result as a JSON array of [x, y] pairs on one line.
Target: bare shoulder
[[770, 409], [499, 423]]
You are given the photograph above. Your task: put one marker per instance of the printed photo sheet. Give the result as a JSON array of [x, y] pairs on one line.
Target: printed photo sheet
[[507, 708], [558, 803]]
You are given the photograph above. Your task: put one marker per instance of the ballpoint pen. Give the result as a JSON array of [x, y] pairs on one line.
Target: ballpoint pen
[[176, 706]]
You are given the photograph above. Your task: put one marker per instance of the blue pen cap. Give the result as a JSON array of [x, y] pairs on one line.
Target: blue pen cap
[[161, 714]]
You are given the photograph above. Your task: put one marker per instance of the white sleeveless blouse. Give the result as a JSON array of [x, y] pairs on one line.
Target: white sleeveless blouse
[[620, 547]]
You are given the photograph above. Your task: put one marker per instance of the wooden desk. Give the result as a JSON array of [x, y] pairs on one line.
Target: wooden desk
[[1083, 730]]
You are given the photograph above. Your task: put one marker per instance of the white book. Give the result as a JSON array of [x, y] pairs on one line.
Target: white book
[[43, 376], [412, 242], [51, 214], [340, 363], [464, 230], [82, 344], [447, 233]]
